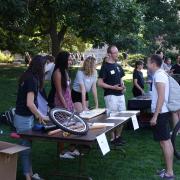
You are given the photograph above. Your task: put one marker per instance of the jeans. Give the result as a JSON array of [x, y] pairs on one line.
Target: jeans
[[25, 123]]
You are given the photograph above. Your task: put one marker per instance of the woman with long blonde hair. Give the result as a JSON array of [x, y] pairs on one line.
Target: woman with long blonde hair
[[85, 82]]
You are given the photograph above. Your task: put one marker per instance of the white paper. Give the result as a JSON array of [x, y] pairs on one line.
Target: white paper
[[105, 124], [135, 122], [133, 112], [118, 118], [103, 144]]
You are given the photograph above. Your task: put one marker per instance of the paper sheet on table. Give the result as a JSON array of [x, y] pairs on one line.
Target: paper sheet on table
[[133, 112], [118, 118], [103, 143], [135, 122], [105, 124]]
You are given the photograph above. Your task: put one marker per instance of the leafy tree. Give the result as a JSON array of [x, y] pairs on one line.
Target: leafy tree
[[91, 20], [161, 24]]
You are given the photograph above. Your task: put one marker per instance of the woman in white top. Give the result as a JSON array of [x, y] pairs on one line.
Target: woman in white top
[[85, 82]]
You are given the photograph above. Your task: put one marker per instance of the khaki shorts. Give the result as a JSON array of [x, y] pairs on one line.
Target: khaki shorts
[[115, 103]]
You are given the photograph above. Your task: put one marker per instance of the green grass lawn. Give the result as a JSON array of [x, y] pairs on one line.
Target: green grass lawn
[[143, 155]]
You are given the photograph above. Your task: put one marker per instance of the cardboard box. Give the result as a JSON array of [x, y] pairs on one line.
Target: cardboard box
[[8, 160]]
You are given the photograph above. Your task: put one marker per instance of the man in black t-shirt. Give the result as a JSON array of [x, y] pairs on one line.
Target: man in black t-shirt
[[110, 79]]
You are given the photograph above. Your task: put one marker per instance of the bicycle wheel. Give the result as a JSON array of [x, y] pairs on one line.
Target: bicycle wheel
[[176, 140], [68, 121]]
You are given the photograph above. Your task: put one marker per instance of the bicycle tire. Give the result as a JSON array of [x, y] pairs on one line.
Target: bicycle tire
[[173, 139], [65, 128]]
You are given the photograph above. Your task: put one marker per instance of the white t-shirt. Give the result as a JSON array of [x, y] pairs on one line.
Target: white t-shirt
[[49, 70], [81, 78], [160, 76]]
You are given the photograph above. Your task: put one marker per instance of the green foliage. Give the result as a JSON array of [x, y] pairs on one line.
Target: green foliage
[[136, 26], [92, 21], [161, 27], [132, 58], [6, 58]]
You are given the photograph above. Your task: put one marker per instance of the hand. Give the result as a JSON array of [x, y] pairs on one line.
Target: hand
[[43, 119], [118, 88], [85, 109], [153, 121]]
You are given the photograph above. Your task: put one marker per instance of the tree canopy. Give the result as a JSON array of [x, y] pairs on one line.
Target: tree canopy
[[133, 25]]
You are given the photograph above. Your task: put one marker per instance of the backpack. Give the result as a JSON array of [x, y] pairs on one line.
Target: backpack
[[8, 117], [173, 103]]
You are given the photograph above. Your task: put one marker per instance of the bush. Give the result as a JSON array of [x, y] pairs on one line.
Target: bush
[[132, 58], [6, 58]]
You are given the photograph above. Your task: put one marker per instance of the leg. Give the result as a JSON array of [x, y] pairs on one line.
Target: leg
[[119, 132], [175, 116], [121, 107], [23, 124], [168, 153], [78, 107]]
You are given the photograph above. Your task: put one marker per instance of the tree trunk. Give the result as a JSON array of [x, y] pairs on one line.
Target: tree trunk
[[54, 40], [57, 38]]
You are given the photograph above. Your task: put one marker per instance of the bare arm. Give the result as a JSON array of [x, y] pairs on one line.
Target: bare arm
[[94, 91], [57, 82], [161, 96], [102, 84], [160, 101], [32, 107], [83, 94]]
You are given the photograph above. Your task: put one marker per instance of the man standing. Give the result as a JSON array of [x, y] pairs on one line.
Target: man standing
[[161, 114], [164, 65], [110, 79]]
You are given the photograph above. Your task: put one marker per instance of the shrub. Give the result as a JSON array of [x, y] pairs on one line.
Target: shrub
[[132, 58], [6, 58]]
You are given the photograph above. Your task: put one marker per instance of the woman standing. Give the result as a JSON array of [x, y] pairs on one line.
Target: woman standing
[[26, 108], [84, 82], [138, 80], [60, 94]]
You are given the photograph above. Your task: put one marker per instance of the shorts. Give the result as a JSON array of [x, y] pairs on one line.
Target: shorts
[[77, 96], [161, 131], [115, 103]]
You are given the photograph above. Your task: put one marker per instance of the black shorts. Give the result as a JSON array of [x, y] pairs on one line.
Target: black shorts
[[161, 131], [77, 96]]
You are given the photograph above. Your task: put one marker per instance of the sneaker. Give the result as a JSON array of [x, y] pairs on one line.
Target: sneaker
[[74, 153], [113, 141], [167, 177], [116, 143], [36, 177], [161, 173], [120, 140], [66, 155]]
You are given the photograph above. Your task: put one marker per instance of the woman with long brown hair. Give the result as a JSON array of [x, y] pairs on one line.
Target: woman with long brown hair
[[30, 83], [84, 82]]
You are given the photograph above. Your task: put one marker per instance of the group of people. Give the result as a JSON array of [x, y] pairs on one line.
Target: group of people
[[159, 68], [75, 97]]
